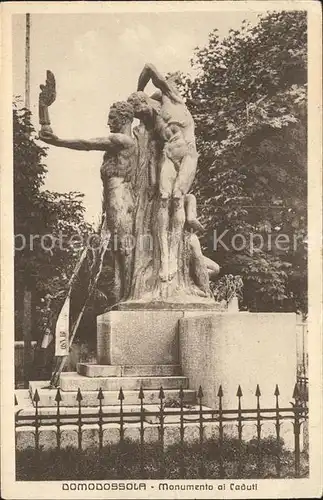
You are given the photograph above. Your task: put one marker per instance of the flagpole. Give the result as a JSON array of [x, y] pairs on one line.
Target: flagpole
[[27, 63]]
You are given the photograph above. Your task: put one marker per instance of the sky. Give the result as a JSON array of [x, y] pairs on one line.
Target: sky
[[96, 60]]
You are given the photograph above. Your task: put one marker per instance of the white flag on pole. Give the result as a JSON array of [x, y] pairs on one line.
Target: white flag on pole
[[62, 330]]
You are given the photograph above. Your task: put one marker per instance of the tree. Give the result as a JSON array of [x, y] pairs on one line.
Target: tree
[[44, 222], [249, 105]]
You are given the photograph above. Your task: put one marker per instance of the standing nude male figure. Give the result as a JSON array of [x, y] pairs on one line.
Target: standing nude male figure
[[116, 170], [175, 127]]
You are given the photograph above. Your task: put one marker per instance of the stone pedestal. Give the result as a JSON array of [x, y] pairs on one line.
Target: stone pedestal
[[243, 349], [142, 337], [184, 350]]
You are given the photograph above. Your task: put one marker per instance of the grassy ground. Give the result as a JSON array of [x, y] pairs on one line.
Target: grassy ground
[[123, 462]]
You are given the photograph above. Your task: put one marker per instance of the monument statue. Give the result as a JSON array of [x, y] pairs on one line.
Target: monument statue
[[147, 174], [116, 173], [174, 126], [148, 212]]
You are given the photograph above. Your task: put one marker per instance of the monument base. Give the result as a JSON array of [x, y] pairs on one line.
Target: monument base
[[142, 337], [182, 350], [243, 349], [196, 305]]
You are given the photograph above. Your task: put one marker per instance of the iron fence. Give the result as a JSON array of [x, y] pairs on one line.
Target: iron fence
[[297, 414]]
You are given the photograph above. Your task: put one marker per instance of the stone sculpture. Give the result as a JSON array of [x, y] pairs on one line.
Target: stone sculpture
[[147, 173], [116, 174], [174, 126]]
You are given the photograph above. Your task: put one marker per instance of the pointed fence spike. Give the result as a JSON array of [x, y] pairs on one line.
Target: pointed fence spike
[[141, 394], [181, 393], [16, 401], [161, 393], [58, 397], [121, 395], [100, 394], [296, 392], [79, 396], [276, 393], [239, 392], [220, 392], [257, 393], [200, 393], [36, 397]]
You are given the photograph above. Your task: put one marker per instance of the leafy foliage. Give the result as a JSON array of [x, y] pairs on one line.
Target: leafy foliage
[[249, 105], [122, 460], [227, 287], [44, 221]]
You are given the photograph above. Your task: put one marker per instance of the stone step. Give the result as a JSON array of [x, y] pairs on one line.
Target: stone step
[[89, 414], [94, 370], [90, 398], [71, 381]]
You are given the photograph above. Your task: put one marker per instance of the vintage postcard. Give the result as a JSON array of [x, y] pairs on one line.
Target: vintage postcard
[[161, 272]]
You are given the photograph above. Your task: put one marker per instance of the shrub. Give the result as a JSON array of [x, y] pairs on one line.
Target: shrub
[[123, 461]]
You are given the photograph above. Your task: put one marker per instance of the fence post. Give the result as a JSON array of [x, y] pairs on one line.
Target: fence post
[[100, 397], [36, 400], [141, 396], [277, 427], [201, 429], [258, 425], [161, 431], [239, 396], [296, 425], [121, 398], [220, 396], [58, 399], [181, 432], [79, 418], [120, 462]]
